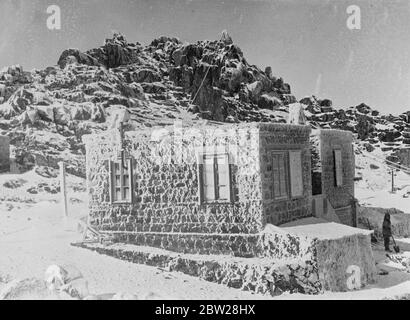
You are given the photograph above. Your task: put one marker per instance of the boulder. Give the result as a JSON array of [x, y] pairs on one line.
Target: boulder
[[363, 108], [288, 99], [56, 277], [77, 288], [269, 101], [389, 136], [364, 127], [7, 111], [146, 75], [24, 289], [132, 90], [20, 100], [226, 38], [255, 90], [68, 56], [326, 103], [155, 87], [117, 51], [269, 73], [2, 90]]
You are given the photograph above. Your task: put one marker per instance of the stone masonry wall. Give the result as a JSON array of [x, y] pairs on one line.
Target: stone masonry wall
[[285, 137], [339, 197], [272, 242], [262, 276], [335, 256], [166, 188], [283, 261], [4, 154]]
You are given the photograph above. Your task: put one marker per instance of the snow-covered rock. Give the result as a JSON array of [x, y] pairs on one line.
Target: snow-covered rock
[[77, 288], [21, 289], [57, 276]]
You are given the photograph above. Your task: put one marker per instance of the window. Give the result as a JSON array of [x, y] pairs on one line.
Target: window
[[121, 181], [286, 174], [279, 175], [337, 154], [215, 178], [296, 181]]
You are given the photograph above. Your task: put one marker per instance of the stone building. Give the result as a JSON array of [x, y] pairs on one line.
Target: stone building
[[4, 154], [227, 179], [333, 170], [223, 190]]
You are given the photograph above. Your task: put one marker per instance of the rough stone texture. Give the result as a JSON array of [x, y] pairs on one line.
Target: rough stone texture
[[166, 190], [166, 195], [272, 243], [265, 276], [166, 212], [279, 138], [286, 262], [239, 245], [334, 256], [4, 154], [276, 243], [339, 197], [24, 289]]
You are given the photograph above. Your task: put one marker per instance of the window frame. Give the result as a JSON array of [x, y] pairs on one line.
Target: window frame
[[201, 188], [129, 161], [285, 154], [337, 183], [291, 188]]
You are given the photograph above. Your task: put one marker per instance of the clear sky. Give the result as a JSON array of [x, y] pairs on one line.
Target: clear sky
[[306, 42]]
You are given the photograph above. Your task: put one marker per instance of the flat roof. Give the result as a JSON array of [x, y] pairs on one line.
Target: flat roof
[[321, 229], [262, 126]]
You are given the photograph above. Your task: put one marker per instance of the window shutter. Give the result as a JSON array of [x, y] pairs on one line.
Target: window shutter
[[209, 178], [132, 178], [111, 180], [121, 181], [296, 178], [201, 183], [223, 175], [275, 176], [231, 189], [282, 175], [338, 168]]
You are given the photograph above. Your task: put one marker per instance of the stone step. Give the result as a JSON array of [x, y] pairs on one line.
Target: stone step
[[258, 275]]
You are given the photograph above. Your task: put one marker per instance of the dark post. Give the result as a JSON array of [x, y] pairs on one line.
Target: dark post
[[392, 180]]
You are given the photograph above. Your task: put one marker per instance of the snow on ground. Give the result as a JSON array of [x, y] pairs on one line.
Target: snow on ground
[[374, 190], [33, 245], [34, 236], [323, 230]]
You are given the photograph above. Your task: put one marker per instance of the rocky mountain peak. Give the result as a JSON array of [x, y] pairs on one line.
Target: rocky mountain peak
[[156, 84]]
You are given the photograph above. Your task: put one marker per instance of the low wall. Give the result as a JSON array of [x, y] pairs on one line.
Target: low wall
[[328, 259], [166, 193], [335, 256], [372, 218], [272, 243], [263, 276]]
